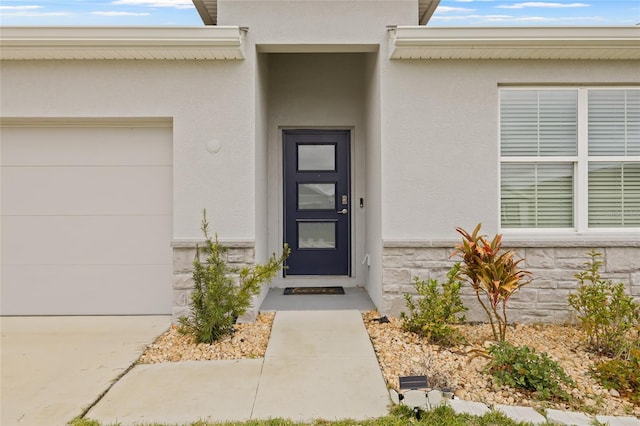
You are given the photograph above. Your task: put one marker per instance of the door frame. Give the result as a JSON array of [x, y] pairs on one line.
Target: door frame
[[275, 207], [344, 254]]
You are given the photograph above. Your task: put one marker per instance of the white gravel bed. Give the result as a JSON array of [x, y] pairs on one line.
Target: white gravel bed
[[461, 368]]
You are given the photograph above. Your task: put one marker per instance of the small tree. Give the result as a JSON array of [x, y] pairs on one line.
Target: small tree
[[217, 301], [492, 274]]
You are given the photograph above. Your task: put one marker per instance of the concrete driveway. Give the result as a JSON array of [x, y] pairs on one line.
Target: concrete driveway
[[54, 368]]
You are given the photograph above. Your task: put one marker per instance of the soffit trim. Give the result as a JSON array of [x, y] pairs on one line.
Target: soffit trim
[[580, 43], [121, 43]]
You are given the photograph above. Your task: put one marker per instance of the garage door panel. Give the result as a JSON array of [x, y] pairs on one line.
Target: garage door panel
[[86, 290], [59, 146], [86, 240], [86, 217], [110, 190]]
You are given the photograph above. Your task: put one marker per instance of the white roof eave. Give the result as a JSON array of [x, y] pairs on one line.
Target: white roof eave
[[426, 9], [582, 43], [121, 43]]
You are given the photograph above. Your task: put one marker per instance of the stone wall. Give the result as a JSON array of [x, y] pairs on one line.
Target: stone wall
[[553, 265], [240, 254]]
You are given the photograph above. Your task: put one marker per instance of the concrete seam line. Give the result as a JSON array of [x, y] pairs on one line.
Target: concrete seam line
[[116, 380], [264, 359], [255, 396]]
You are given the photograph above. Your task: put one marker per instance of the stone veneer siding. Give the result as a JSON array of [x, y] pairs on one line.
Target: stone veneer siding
[[240, 254], [553, 265]]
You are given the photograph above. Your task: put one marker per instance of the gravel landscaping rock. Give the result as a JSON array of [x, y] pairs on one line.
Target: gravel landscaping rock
[[247, 341], [400, 353], [461, 368]]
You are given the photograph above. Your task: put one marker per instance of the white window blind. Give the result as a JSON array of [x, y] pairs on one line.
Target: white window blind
[[614, 122], [539, 123], [614, 133], [614, 194], [570, 158], [537, 195]]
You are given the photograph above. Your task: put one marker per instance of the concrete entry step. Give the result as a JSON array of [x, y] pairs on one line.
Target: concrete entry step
[[355, 298]]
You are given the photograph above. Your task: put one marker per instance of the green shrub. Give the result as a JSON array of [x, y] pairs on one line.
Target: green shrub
[[606, 314], [522, 367], [217, 301], [622, 375], [431, 314]]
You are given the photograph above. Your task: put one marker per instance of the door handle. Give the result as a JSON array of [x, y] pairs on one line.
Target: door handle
[[343, 211]]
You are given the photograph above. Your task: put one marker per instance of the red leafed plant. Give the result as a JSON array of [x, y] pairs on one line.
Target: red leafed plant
[[493, 274]]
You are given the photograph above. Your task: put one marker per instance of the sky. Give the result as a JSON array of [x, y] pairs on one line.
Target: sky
[[536, 13], [449, 13]]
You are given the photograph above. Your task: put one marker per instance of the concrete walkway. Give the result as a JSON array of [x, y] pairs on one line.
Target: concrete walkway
[[53, 368], [318, 365]]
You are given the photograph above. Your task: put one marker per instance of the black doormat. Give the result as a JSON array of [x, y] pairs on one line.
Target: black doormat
[[313, 290]]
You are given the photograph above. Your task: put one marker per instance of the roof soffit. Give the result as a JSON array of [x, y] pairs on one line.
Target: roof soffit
[[426, 9], [208, 11], [121, 43], [597, 43]]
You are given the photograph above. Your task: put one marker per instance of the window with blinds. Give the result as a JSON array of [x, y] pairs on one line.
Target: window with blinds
[[539, 123], [613, 137], [545, 148], [537, 195]]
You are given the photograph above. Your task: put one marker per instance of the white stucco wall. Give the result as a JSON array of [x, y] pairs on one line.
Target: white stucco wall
[[261, 158], [261, 247], [373, 200], [424, 132], [206, 100], [440, 155], [326, 22], [318, 91]]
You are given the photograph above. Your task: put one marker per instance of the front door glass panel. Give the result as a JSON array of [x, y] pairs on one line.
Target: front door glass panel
[[316, 196], [317, 157], [316, 235]]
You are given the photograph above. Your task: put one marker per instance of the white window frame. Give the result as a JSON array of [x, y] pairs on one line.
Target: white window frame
[[580, 171]]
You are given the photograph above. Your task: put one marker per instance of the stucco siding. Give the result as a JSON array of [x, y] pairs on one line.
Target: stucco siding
[[440, 137], [318, 91], [205, 100], [373, 217], [317, 21], [425, 154]]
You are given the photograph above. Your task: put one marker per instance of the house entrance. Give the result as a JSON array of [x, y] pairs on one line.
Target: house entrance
[[317, 201]]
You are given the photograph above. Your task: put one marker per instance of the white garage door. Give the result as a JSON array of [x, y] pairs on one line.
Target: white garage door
[[86, 219]]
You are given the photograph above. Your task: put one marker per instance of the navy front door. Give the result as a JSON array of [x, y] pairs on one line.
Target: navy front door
[[317, 201]]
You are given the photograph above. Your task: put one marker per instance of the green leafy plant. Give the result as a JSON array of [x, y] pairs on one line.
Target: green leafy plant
[[217, 300], [431, 314], [493, 274], [622, 375], [606, 314], [522, 367]]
